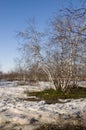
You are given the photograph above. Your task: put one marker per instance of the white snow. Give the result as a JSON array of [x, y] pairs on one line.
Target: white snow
[[15, 110]]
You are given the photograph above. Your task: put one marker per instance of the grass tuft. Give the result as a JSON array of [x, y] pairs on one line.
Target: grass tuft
[[52, 96]]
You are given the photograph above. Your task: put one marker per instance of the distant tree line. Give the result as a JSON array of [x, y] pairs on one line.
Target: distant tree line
[[26, 77]]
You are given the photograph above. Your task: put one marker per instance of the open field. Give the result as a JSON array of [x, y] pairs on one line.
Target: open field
[[16, 113]]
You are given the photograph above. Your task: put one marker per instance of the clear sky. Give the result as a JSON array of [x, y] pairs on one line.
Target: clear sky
[[13, 14]]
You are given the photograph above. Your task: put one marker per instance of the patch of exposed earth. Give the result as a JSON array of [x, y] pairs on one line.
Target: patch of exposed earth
[[17, 114]]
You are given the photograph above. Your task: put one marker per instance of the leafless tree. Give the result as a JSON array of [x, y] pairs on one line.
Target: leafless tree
[[31, 48], [64, 59], [68, 42]]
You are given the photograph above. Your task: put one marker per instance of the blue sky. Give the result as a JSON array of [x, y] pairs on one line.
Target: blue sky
[[13, 16]]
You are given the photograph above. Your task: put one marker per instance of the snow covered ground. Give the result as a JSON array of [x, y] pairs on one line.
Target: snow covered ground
[[18, 114]]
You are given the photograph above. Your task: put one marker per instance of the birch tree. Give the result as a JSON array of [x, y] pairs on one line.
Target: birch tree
[[69, 41], [31, 48]]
